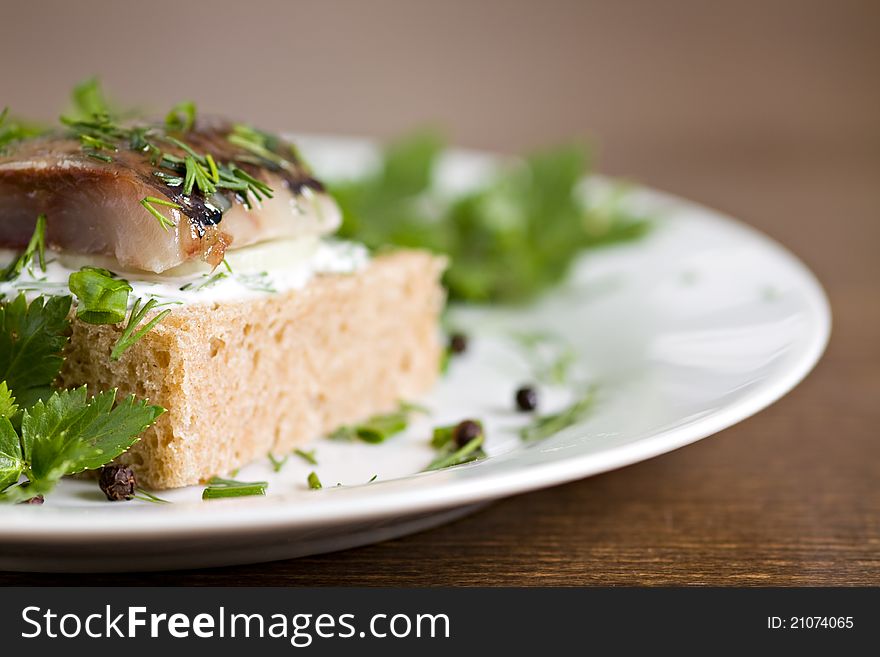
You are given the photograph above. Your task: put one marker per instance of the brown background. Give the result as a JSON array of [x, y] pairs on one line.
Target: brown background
[[767, 110]]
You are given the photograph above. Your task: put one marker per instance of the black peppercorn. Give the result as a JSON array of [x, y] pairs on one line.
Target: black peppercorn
[[527, 398], [36, 499], [117, 482], [465, 431], [458, 343]]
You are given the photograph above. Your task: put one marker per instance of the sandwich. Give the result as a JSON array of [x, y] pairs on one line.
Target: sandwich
[[205, 277]]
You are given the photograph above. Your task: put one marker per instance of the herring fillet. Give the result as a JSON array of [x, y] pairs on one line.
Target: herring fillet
[[94, 207]]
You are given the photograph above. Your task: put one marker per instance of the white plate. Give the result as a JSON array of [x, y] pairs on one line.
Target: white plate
[[698, 326]]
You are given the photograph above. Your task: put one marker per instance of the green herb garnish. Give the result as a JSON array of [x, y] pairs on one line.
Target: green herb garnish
[[102, 298], [14, 130], [314, 482], [136, 316], [98, 156], [442, 436], [258, 143], [67, 434], [197, 175], [449, 456], [89, 101], [181, 117], [307, 456], [36, 247], [380, 427], [446, 439], [509, 240], [376, 429], [259, 282], [545, 426], [213, 280], [412, 407], [8, 407], [32, 337], [147, 496], [277, 463], [549, 355], [150, 202], [218, 488]]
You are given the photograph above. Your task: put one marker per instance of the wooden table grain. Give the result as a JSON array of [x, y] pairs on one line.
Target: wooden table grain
[[788, 497]]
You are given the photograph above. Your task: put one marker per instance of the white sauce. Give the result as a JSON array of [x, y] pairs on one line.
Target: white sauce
[[256, 271]]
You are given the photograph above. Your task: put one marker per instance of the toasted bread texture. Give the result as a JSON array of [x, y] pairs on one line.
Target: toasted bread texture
[[242, 379]]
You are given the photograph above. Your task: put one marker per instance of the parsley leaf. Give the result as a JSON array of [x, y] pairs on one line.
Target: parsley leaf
[[508, 240], [70, 432], [31, 339], [8, 407], [101, 297], [11, 461]]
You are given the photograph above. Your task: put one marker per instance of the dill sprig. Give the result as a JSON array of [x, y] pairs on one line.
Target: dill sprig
[[150, 202], [96, 143], [14, 130], [307, 456], [257, 143], [470, 451], [36, 247], [130, 335], [545, 426], [277, 463], [197, 175], [147, 496], [169, 179]]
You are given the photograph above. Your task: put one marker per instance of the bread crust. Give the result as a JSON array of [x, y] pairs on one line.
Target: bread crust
[[240, 379]]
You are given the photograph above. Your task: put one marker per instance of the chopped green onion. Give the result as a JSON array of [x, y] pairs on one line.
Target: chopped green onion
[[314, 482], [102, 298], [219, 488]]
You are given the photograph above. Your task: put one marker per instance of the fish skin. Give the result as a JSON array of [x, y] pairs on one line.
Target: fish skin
[[93, 207]]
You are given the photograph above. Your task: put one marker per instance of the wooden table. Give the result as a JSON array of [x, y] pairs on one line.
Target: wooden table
[[791, 496]]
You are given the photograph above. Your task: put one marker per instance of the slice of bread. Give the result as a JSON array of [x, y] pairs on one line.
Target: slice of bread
[[240, 379]]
